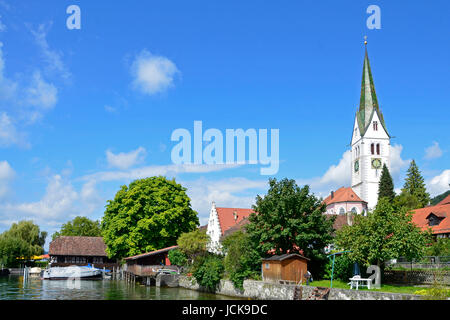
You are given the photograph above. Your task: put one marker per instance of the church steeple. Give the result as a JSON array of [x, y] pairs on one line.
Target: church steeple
[[368, 102]]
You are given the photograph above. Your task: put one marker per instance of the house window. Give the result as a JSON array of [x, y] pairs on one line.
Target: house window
[[267, 266], [433, 220], [375, 126], [372, 148], [378, 148], [341, 211]]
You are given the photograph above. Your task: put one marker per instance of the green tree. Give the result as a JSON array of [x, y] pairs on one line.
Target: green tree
[[439, 248], [147, 215], [23, 239], [193, 244], [439, 198], [79, 226], [408, 201], [208, 271], [289, 218], [386, 185], [415, 185], [241, 260], [343, 268], [386, 233], [176, 257]]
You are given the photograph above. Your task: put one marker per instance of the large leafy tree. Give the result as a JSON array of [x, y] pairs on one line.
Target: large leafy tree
[[290, 219], [386, 185], [415, 185], [79, 226], [386, 233], [242, 260], [193, 244], [23, 239], [147, 215]]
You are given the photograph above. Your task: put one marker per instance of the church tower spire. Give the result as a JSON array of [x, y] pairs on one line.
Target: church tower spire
[[370, 140], [368, 103]]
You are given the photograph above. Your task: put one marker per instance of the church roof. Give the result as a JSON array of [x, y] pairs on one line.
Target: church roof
[[368, 104], [342, 195]]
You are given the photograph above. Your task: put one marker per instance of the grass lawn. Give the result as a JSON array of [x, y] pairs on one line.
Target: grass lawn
[[384, 287]]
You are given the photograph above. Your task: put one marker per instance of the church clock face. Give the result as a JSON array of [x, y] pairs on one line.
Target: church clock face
[[376, 163], [356, 166]]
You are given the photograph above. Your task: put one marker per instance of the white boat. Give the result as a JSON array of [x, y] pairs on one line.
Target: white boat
[[35, 272], [72, 272]]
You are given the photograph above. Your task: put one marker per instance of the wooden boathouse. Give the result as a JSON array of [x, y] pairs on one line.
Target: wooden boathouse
[[77, 250], [144, 267]]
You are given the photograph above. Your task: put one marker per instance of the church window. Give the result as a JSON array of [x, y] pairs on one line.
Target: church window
[[375, 125], [341, 211], [372, 148], [378, 148], [354, 211]]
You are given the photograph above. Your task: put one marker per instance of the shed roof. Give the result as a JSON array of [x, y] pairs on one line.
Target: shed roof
[[151, 253], [284, 257], [77, 246]]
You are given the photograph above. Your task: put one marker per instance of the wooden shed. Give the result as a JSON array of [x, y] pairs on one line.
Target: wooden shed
[[287, 267]]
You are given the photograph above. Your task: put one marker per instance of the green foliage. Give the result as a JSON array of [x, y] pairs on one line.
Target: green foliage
[[415, 185], [176, 257], [193, 244], [439, 198], [242, 260], [407, 201], [439, 248], [386, 233], [343, 268], [147, 215], [386, 185], [79, 226], [208, 270], [290, 218], [23, 239]]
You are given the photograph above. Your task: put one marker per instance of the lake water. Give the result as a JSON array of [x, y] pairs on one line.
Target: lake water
[[13, 288]]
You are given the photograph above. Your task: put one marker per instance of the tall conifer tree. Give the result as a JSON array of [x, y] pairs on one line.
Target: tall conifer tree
[[415, 185], [386, 185]]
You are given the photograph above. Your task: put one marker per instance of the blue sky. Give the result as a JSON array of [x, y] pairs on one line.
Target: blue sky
[[83, 112]]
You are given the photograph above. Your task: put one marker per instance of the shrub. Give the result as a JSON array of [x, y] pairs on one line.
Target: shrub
[[176, 257], [208, 271]]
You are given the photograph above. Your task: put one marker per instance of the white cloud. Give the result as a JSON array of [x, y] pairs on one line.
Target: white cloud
[[152, 74], [433, 151], [58, 201], [125, 160], [339, 175], [8, 132], [110, 109], [335, 177], [2, 26], [40, 93], [6, 175], [230, 192], [439, 184], [51, 57], [149, 171], [27, 101]]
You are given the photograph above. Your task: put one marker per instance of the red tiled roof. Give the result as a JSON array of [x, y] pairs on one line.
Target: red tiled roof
[[227, 217], [151, 253], [420, 216], [77, 246], [343, 195], [238, 226], [446, 200]]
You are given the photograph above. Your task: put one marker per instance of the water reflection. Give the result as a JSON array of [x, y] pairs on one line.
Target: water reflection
[[14, 288]]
